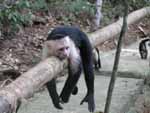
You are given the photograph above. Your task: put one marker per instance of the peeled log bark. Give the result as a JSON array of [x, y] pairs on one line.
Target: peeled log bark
[[26, 84], [112, 30]]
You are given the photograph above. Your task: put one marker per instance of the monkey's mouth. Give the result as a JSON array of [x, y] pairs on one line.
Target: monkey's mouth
[[62, 57]]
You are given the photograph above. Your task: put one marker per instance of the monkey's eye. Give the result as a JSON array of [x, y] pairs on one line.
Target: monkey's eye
[[66, 48], [61, 49]]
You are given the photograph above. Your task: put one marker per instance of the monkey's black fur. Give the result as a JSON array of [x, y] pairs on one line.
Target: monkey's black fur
[[82, 43], [143, 49], [97, 62]]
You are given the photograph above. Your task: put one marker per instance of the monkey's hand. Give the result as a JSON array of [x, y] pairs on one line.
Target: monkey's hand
[[89, 98], [57, 104]]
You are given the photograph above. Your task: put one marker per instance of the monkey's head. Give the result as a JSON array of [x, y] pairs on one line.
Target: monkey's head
[[59, 47]]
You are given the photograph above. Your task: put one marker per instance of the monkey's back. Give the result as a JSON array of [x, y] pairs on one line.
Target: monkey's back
[[80, 38]]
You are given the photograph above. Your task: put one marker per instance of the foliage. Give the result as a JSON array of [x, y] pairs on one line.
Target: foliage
[[18, 13], [112, 9], [72, 10], [12, 16], [134, 4], [39, 5], [78, 6]]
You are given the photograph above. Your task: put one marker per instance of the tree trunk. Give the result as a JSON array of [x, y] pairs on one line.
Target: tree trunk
[[29, 82], [98, 14]]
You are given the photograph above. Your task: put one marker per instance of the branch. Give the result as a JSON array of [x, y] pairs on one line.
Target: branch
[[117, 57]]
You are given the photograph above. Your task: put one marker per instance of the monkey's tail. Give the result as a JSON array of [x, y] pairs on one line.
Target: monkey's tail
[[99, 60], [143, 48], [145, 40]]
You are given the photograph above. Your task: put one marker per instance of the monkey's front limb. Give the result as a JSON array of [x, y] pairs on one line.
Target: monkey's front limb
[[89, 98], [70, 85], [51, 86]]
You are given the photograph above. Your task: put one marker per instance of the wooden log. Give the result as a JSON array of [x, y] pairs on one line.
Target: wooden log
[[28, 83], [113, 29]]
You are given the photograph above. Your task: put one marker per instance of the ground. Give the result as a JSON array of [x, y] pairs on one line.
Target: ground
[[128, 87]]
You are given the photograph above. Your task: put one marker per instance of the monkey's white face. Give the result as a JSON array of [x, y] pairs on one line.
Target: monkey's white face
[[63, 48], [59, 48]]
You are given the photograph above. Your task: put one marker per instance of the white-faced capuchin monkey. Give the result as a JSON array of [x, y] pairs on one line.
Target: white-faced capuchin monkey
[[96, 59], [72, 44], [144, 47]]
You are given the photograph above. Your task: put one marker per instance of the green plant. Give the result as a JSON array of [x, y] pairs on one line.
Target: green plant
[[78, 6], [136, 4], [18, 13], [39, 5], [12, 15]]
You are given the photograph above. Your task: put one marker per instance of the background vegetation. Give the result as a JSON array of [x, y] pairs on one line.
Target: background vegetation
[[15, 14]]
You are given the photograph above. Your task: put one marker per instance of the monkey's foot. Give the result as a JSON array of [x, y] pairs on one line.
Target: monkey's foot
[[58, 106], [57, 103], [89, 98], [75, 90], [64, 97]]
